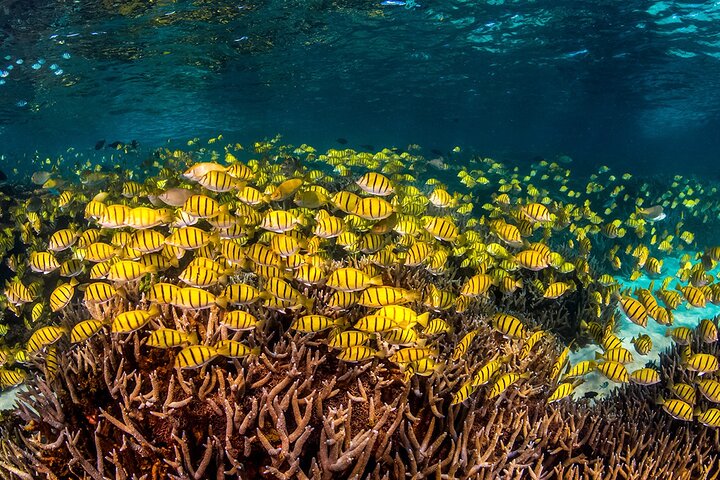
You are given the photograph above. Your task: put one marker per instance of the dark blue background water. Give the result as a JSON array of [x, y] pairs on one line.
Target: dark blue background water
[[631, 84]]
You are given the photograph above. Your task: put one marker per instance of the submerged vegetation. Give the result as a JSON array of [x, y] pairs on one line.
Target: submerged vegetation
[[219, 313]]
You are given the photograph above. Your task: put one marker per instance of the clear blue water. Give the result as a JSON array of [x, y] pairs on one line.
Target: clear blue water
[[632, 84]]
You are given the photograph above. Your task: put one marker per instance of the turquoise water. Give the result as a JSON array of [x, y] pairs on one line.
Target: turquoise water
[[631, 84]]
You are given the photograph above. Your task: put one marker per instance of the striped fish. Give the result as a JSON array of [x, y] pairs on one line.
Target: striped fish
[[358, 353], [62, 240], [62, 295], [132, 320], [462, 347], [563, 390], [352, 280], [463, 393], [677, 409], [44, 336], [348, 338], [508, 325], [84, 330], [442, 228], [384, 296], [504, 382], [43, 262], [645, 376], [532, 260], [375, 184], [239, 320], [168, 338], [614, 371], [202, 206], [476, 285], [234, 349], [485, 373], [373, 208], [196, 299], [219, 181], [195, 356], [709, 388], [702, 363], [634, 310], [709, 417]]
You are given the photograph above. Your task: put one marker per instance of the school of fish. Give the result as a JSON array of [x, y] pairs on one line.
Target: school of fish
[[371, 253]]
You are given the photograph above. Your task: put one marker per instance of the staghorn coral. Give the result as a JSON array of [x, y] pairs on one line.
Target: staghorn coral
[[117, 410]]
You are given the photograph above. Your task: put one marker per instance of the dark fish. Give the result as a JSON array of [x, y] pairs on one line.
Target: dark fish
[[3, 177], [368, 147], [436, 151], [591, 394], [100, 144], [118, 145], [34, 204], [342, 141]]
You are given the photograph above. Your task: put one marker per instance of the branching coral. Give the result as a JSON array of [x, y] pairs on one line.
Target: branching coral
[[296, 412]]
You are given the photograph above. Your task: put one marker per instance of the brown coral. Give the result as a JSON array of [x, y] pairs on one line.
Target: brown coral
[[296, 412]]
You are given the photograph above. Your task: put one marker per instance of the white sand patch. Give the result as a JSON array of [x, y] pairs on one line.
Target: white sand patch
[[8, 398], [627, 330]]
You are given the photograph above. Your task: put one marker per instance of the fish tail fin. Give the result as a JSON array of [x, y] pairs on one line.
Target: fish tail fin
[[423, 319], [122, 293], [151, 269], [221, 301], [308, 303]]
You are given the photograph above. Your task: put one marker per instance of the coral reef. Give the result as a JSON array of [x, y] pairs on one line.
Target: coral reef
[[116, 410], [239, 336]]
